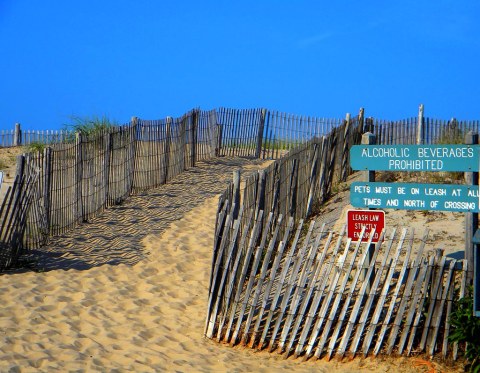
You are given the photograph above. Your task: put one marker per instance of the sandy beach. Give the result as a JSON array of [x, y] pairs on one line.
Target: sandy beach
[[119, 300]]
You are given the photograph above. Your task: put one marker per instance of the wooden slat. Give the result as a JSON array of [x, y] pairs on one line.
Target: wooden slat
[[393, 299], [420, 280], [280, 283], [421, 302], [290, 283], [261, 279], [356, 307], [256, 261], [246, 261], [373, 291], [383, 295], [447, 318], [346, 303], [234, 269], [438, 312], [333, 310], [273, 272], [406, 296], [461, 295], [212, 296], [306, 295], [317, 287], [434, 296]]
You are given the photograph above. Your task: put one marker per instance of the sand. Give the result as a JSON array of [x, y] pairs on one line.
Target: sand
[[138, 313]]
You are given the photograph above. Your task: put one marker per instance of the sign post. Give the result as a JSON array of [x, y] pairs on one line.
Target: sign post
[[471, 218], [368, 140]]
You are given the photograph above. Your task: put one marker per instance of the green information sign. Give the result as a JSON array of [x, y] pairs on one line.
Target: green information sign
[[405, 196], [415, 157]]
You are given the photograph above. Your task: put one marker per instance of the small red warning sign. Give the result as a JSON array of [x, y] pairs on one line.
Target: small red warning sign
[[357, 219]]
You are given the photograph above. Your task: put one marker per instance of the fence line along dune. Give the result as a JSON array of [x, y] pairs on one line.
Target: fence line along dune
[[148, 174]]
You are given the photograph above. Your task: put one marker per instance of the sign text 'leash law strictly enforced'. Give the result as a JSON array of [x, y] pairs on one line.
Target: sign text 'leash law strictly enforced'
[[464, 158], [405, 196]]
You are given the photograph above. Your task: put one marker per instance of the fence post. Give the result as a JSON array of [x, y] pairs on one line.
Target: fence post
[[47, 186], [212, 125], [236, 193], [361, 120], [106, 166], [194, 137], [368, 176], [292, 209], [260, 203], [261, 127], [218, 150], [19, 174], [471, 219], [78, 177], [20, 166], [420, 129], [17, 136], [346, 149], [167, 146], [133, 151]]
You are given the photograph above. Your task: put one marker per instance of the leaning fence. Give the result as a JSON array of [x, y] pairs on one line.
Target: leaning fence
[[309, 292], [276, 287]]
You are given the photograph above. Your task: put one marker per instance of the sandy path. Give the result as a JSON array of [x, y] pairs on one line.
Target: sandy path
[[144, 314]]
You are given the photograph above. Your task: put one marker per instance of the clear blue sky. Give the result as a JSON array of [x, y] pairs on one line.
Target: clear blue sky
[[154, 59]]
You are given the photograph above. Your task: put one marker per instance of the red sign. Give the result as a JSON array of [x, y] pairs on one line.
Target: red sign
[[357, 219]]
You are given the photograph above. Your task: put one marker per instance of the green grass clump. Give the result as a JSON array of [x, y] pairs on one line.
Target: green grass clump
[[90, 126], [36, 147], [466, 329]]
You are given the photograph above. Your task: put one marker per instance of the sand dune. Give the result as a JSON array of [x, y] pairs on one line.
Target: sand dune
[[143, 313]]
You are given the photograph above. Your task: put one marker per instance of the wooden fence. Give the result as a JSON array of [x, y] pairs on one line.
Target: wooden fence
[[422, 131], [269, 134], [295, 184], [13, 215], [304, 294], [78, 179], [73, 182], [17, 136], [313, 297]]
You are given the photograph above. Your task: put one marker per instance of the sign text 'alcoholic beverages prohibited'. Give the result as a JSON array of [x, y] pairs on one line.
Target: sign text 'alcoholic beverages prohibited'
[[415, 157]]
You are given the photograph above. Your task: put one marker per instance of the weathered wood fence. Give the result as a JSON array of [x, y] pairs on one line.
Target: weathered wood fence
[[296, 183], [14, 210], [269, 134], [304, 295], [78, 179], [296, 291], [18, 137], [72, 182]]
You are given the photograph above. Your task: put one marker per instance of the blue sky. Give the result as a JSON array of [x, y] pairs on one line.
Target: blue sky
[[154, 59]]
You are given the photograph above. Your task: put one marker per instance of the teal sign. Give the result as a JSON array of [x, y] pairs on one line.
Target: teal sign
[[405, 196], [415, 157]]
